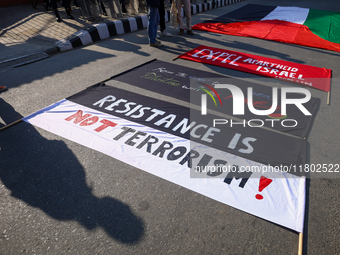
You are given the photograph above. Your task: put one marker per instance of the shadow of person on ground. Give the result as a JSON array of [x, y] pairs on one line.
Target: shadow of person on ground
[[46, 174]]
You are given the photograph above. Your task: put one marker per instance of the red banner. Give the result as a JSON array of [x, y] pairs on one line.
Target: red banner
[[311, 76]]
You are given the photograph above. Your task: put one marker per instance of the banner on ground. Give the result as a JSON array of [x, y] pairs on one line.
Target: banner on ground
[[316, 77], [162, 139], [186, 84], [287, 24]]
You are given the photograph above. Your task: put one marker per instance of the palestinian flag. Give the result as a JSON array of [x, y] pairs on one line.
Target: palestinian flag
[[302, 26]]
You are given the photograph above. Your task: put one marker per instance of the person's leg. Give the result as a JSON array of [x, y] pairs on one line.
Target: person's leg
[[135, 5], [162, 26], [187, 10], [53, 4], [161, 16], [180, 18], [55, 10], [46, 4], [153, 25], [122, 2], [67, 7], [103, 7]]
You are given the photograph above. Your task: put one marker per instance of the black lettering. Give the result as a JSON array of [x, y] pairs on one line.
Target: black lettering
[[191, 154], [162, 148], [173, 154], [126, 130], [219, 170], [135, 136], [204, 161], [237, 175], [147, 141]]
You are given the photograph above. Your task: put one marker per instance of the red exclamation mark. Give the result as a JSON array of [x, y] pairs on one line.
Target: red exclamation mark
[[264, 182]]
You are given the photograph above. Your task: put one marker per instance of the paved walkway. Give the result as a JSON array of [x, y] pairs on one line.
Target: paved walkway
[[25, 30]]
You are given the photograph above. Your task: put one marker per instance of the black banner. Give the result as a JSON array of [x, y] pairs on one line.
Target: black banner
[[256, 144], [187, 84]]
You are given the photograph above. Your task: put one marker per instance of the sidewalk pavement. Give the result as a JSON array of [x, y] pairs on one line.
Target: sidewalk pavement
[[25, 31]]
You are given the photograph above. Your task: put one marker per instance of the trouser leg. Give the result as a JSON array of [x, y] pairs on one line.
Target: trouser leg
[[180, 18], [53, 4], [161, 16], [153, 23], [187, 10]]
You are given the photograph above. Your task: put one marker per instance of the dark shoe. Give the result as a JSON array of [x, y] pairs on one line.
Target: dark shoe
[[156, 44], [3, 88], [189, 32], [181, 31], [70, 16], [57, 16]]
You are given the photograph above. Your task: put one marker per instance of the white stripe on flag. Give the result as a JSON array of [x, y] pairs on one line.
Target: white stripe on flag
[[286, 13]]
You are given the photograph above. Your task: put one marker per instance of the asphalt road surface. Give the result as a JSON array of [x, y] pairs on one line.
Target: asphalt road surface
[[58, 197]]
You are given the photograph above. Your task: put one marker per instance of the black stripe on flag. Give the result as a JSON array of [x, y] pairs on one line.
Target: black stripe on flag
[[248, 12]]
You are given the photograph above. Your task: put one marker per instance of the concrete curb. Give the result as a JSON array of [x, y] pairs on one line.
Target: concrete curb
[[106, 29]]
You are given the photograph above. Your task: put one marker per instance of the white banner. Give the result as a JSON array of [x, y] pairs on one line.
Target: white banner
[[280, 200]]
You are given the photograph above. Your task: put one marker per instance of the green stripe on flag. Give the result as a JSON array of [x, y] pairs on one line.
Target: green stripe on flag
[[325, 24]]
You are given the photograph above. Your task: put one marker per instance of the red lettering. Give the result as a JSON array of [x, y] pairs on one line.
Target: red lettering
[[89, 121], [78, 116], [106, 123]]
